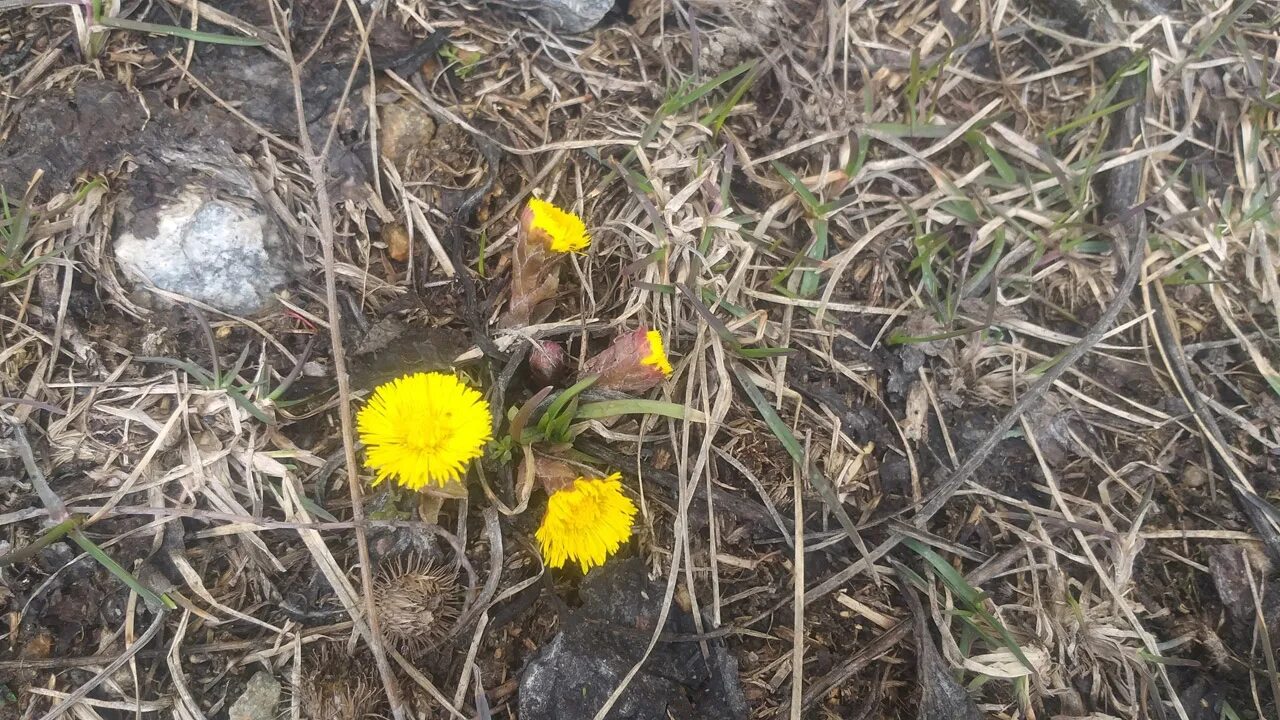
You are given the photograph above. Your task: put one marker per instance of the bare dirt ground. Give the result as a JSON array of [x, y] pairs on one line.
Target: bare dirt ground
[[973, 307]]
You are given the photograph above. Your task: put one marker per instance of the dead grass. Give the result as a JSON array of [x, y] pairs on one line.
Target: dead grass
[[907, 199]]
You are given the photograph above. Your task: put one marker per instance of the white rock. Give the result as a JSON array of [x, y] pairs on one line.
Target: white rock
[[572, 16], [206, 237]]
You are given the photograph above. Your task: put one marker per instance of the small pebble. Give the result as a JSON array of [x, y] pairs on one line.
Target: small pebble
[[396, 237], [1193, 476], [260, 700]]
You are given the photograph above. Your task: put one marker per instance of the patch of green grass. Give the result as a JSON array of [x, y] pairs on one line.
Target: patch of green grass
[[683, 97], [226, 382], [16, 226], [818, 215], [919, 76], [465, 62], [19, 222], [715, 119], [971, 602], [557, 424]]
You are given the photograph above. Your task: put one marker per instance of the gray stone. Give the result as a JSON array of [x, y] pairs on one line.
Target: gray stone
[[260, 699], [572, 16], [204, 234]]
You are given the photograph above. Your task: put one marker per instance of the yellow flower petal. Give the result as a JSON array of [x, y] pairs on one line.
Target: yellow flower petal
[[423, 429], [565, 231], [657, 357], [586, 522]]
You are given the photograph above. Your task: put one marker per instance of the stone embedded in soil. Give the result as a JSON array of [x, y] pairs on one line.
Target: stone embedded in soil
[[574, 674], [572, 16], [260, 700], [405, 129], [396, 237], [1237, 571], [205, 234]]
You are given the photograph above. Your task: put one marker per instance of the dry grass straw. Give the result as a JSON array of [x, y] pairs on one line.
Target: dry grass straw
[[905, 203]]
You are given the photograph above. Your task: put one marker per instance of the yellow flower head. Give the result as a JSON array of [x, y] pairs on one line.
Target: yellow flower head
[[423, 428], [586, 522], [657, 357], [562, 231]]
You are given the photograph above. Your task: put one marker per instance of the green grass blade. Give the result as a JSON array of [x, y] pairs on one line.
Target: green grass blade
[[638, 406], [897, 337], [50, 536], [1002, 166], [205, 378], [558, 405], [721, 330], [970, 596], [811, 202], [993, 257], [921, 132], [248, 405], [860, 159], [780, 430], [680, 102], [121, 574], [521, 418], [557, 430], [962, 209], [1089, 117], [764, 352], [715, 119], [172, 30], [817, 252]]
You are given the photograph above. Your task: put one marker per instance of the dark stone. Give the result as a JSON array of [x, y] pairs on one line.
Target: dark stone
[[574, 674]]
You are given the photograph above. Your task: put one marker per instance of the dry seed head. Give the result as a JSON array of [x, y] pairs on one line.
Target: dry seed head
[[417, 603], [337, 687]]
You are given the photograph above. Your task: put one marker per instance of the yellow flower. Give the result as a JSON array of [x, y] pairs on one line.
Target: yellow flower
[[423, 429], [586, 522], [562, 231], [657, 357]]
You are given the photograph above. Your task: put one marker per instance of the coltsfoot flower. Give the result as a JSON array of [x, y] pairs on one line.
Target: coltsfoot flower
[[587, 521], [635, 362], [547, 234], [557, 230], [423, 429]]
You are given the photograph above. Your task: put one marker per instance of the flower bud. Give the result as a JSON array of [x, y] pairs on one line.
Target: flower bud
[[547, 233], [635, 362], [548, 363]]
